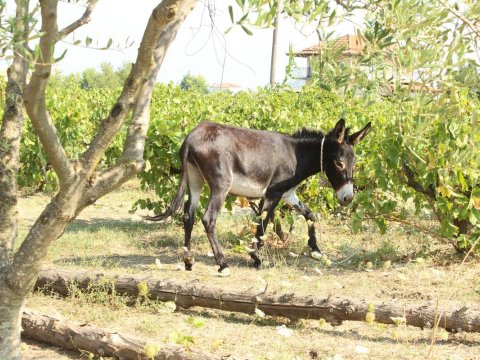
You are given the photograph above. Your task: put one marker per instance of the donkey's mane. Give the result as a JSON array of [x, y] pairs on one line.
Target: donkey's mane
[[305, 133]]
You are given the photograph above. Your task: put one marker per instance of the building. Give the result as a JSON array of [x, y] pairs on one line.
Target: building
[[348, 49], [225, 86]]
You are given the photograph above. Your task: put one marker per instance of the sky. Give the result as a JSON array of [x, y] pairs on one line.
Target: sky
[[244, 59]]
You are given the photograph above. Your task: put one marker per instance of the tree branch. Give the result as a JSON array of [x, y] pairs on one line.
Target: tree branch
[[137, 131], [108, 181], [460, 16], [131, 162], [348, 6], [161, 16], [34, 95], [80, 22], [411, 182]]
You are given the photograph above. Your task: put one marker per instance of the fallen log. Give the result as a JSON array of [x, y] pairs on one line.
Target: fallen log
[[334, 310], [78, 336]]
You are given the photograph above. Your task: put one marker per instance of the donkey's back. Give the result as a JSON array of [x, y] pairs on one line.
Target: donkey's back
[[241, 161]]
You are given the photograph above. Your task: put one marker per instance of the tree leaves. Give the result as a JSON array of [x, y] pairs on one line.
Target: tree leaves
[[230, 11]]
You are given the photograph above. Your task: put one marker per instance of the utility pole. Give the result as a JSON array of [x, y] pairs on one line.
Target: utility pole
[[273, 63]]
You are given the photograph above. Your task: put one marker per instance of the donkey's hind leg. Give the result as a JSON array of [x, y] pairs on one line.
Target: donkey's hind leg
[[209, 219], [195, 183], [268, 205]]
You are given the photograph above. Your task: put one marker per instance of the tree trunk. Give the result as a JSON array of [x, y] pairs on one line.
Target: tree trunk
[[79, 336], [79, 183], [333, 310], [10, 134], [11, 306]]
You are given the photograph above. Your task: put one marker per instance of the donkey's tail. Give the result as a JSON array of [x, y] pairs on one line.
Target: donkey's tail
[[178, 200]]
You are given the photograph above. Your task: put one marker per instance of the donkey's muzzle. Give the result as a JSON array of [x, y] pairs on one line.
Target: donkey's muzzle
[[345, 194]]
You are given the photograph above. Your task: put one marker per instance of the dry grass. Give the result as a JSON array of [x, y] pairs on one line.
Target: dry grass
[[402, 266]]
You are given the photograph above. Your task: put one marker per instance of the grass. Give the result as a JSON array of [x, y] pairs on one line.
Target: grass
[[402, 266]]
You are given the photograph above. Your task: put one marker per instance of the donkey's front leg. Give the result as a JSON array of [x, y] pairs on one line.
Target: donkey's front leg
[[312, 239], [292, 199]]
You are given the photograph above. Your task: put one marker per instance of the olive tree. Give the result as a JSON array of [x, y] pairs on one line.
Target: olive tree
[[81, 180]]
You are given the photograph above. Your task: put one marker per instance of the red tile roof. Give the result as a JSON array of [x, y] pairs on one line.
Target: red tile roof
[[352, 45], [225, 85]]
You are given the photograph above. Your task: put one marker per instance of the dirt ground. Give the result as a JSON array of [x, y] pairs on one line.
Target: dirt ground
[[34, 350], [402, 267]]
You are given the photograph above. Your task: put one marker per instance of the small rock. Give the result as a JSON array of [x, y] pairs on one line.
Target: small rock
[[259, 313], [284, 331], [361, 349]]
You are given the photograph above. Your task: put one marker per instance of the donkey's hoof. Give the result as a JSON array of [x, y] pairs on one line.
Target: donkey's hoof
[[317, 255], [188, 259], [224, 271], [257, 263]]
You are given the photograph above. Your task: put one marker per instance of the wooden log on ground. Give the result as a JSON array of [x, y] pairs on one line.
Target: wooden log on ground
[[334, 310], [77, 336]]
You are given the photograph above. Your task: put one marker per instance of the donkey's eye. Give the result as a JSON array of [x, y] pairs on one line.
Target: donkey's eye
[[340, 164]]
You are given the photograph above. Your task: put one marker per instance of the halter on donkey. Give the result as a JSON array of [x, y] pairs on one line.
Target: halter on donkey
[[259, 164]]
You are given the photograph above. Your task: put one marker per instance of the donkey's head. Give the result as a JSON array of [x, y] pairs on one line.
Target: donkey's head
[[339, 159]]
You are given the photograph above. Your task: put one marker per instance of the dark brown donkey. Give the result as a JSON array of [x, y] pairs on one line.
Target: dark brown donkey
[[259, 164]]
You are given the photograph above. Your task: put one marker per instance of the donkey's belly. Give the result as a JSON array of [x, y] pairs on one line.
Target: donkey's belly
[[248, 188]]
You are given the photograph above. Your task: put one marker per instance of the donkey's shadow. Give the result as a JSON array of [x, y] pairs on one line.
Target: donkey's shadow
[[147, 262], [167, 249]]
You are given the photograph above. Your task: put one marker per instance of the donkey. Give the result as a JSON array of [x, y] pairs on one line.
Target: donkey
[[259, 164]]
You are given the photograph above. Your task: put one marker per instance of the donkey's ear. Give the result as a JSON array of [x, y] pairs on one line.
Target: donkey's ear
[[339, 131], [355, 138]]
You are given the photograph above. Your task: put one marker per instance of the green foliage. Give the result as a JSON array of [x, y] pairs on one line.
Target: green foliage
[[469, 77], [439, 149], [430, 151], [77, 113], [439, 152], [106, 77], [422, 156], [427, 159], [194, 83], [15, 34], [176, 112]]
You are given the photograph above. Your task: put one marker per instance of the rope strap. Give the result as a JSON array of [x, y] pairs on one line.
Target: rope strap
[[321, 155]]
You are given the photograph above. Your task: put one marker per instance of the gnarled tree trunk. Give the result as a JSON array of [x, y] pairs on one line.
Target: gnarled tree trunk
[[81, 183], [11, 303]]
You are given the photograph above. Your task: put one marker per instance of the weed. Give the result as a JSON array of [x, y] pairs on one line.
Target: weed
[[151, 350], [182, 339], [195, 322]]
